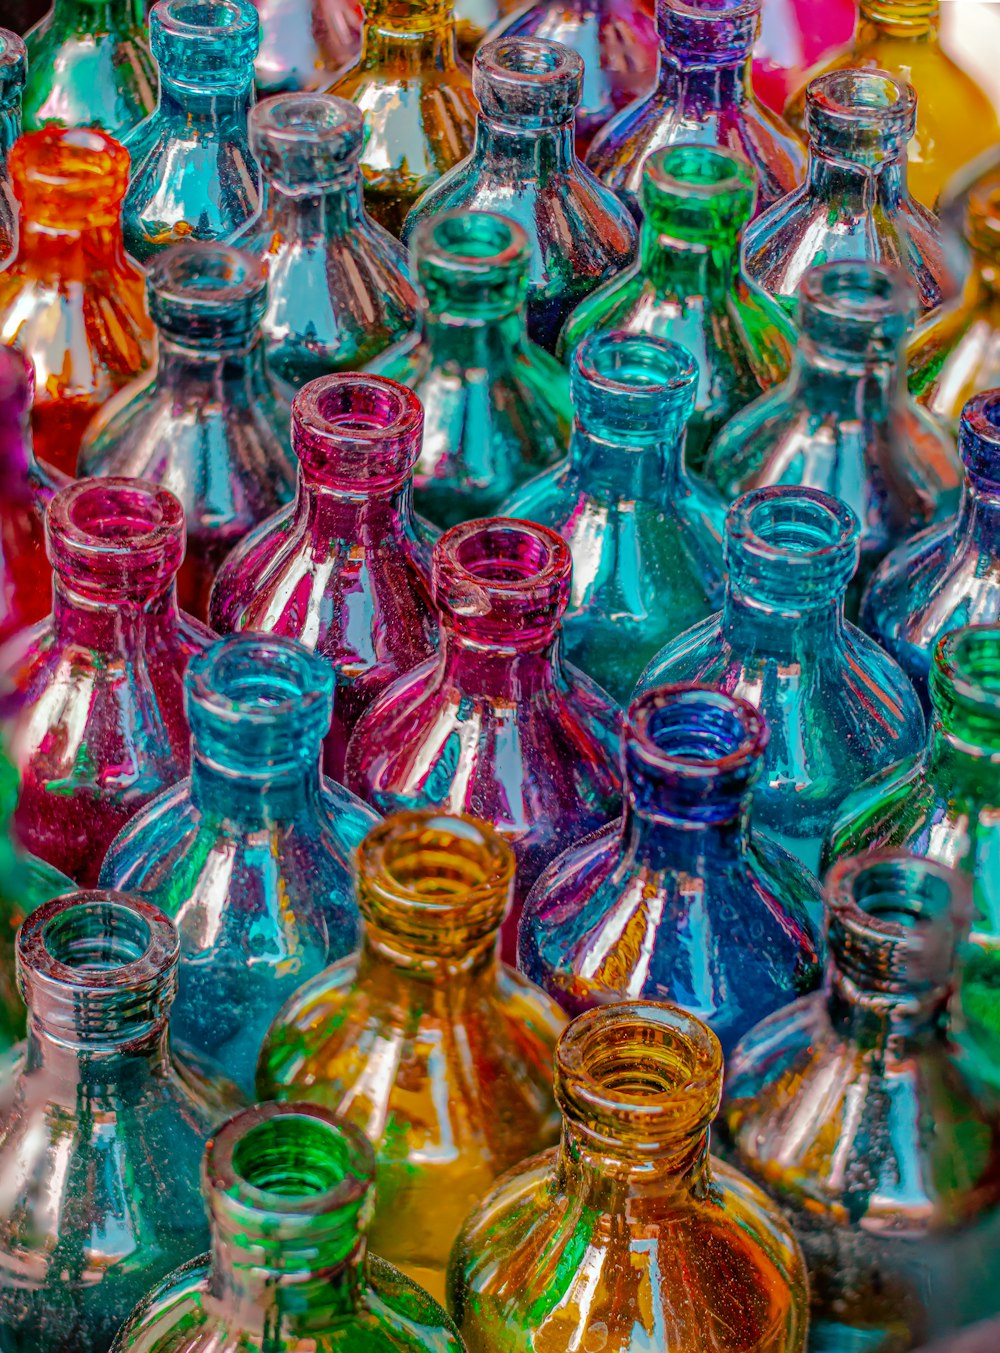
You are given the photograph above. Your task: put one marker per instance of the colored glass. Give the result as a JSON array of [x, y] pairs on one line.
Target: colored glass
[[630, 1227], [496, 406], [416, 97], [193, 172], [688, 285], [524, 165], [838, 708], [643, 533], [794, 34], [342, 569], [101, 1127], [207, 422], [70, 298], [303, 41], [849, 1106], [855, 202], [475, 18], [13, 73], [439, 1052], [497, 724], [339, 285], [251, 855], [289, 1199], [843, 422], [100, 728]]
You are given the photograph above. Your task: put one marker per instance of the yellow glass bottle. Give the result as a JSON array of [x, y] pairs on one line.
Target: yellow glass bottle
[[439, 1052]]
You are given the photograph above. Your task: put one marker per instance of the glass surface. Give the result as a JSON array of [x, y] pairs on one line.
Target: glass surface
[[424, 1040], [13, 73], [524, 165], [475, 18], [302, 42], [794, 34]]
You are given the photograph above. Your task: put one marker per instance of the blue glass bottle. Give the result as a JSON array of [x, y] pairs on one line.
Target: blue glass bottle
[[645, 535], [838, 709], [339, 284], [251, 855], [13, 73], [524, 164], [678, 901], [193, 172]]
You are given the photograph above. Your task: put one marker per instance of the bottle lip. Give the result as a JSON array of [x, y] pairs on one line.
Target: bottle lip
[[356, 433], [204, 294], [666, 732], [529, 82], [69, 177], [307, 139], [856, 309], [856, 112], [792, 547], [979, 439], [632, 386], [708, 32], [693, 184], [210, 42], [965, 685], [473, 263], [13, 67]]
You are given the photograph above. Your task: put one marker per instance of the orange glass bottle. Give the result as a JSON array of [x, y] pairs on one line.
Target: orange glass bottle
[[71, 299], [425, 1040]]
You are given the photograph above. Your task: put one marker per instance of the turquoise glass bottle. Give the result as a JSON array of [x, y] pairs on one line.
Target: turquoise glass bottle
[[339, 288], [13, 73], [496, 406], [524, 164], [645, 536], [838, 708], [193, 172], [251, 855], [688, 285]]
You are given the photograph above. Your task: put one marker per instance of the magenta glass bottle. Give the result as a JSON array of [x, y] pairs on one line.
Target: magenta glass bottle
[[344, 569], [497, 725], [99, 727]]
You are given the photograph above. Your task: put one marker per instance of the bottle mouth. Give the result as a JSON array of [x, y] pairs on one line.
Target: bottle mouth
[[708, 32], [356, 433], [965, 686], [206, 295], [472, 263], [856, 310], [688, 189], [307, 141], [796, 549], [205, 42], [69, 178], [979, 440], [633, 386], [858, 113], [527, 82], [13, 68]]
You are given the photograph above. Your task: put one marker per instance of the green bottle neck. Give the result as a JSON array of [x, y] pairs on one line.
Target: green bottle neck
[[491, 341], [124, 17], [680, 267], [260, 1287], [964, 760]]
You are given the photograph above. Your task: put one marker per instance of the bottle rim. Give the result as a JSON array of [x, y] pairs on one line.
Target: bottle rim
[[530, 82]]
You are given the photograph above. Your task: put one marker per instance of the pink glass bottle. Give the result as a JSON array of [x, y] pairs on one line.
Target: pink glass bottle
[[99, 727], [794, 35], [344, 568], [497, 725]]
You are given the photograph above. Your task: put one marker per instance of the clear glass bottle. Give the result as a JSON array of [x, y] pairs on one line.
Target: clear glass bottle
[[339, 285], [629, 1227], [463, 1043], [207, 422], [843, 422], [703, 93], [794, 35], [13, 73], [645, 536], [688, 285], [70, 298], [524, 164], [303, 42], [102, 1127], [855, 202], [838, 708], [193, 172], [289, 1197], [416, 97], [99, 727], [849, 1107], [344, 569], [251, 856], [496, 406]]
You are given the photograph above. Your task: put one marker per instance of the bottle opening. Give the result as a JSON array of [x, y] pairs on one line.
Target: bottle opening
[[856, 310], [965, 686], [293, 1156], [633, 389], [506, 552], [211, 43], [102, 936], [711, 32], [690, 167], [471, 264], [307, 140], [356, 431], [860, 112], [467, 237], [204, 18], [527, 80], [206, 295], [791, 548], [72, 177]]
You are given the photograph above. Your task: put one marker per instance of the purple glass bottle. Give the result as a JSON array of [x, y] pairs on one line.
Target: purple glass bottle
[[343, 569]]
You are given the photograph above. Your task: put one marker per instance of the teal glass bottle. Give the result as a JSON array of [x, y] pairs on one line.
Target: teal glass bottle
[[837, 707], [289, 1191], [339, 288], [102, 1126], [688, 285], [13, 73], [645, 535], [250, 856], [193, 172], [496, 406]]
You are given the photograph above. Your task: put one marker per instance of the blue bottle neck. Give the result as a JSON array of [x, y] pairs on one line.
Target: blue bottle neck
[[610, 465], [515, 154], [977, 527], [270, 797], [670, 842], [224, 109], [803, 628], [873, 390]]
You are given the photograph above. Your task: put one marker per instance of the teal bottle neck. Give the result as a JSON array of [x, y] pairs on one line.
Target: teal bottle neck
[[831, 386], [612, 466], [331, 213], [491, 342], [268, 799], [225, 109]]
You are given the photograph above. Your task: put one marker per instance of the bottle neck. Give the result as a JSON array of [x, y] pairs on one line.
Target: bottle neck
[[607, 1180], [233, 795], [914, 20], [10, 130], [753, 618], [111, 1067], [116, 624], [71, 249], [225, 109], [97, 16], [468, 340], [828, 384], [467, 968], [330, 212], [615, 468], [957, 765], [885, 1025], [679, 268], [494, 668], [517, 153], [977, 528], [704, 89], [410, 41], [666, 843], [241, 364], [859, 184], [359, 518]]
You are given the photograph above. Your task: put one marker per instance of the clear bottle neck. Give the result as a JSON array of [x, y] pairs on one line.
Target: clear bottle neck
[[853, 387], [704, 89], [508, 149], [241, 364], [332, 211]]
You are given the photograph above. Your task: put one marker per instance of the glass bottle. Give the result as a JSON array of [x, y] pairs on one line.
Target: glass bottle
[[644, 535], [193, 172], [524, 165], [629, 1227], [843, 422], [855, 202], [89, 66], [289, 1194], [70, 298], [13, 73], [425, 1040], [250, 856], [207, 422], [688, 285], [497, 724], [343, 569], [496, 406], [475, 18], [794, 35], [101, 1126], [416, 97], [100, 726], [339, 285], [838, 708], [850, 1107], [302, 42]]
